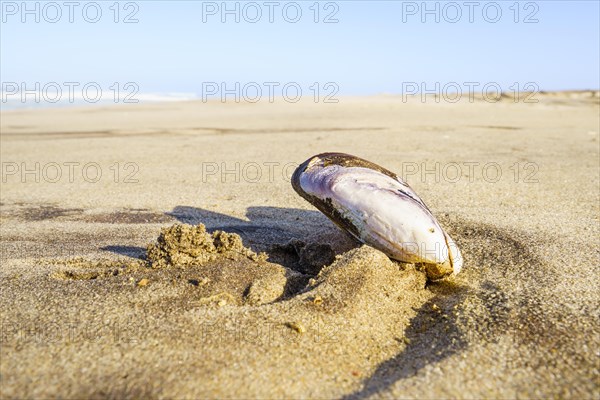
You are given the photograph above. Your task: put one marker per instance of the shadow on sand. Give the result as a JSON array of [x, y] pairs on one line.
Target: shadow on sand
[[436, 332], [263, 229], [432, 336]]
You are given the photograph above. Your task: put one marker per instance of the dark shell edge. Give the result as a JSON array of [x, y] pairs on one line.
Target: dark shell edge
[[342, 159], [326, 206]]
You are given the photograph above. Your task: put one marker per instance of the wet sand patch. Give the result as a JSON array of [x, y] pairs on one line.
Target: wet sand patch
[[38, 212]]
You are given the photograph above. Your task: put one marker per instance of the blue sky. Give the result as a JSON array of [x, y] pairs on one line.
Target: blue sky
[[373, 48]]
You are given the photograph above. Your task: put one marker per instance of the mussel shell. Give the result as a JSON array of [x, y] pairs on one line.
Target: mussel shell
[[378, 208]]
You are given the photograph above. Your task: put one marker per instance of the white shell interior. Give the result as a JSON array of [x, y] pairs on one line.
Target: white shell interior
[[389, 215]]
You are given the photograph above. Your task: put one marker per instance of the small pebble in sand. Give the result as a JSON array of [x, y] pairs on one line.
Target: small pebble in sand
[[198, 282], [143, 282], [318, 300], [296, 326]]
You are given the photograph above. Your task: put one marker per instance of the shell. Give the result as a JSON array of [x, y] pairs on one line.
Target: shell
[[379, 209]]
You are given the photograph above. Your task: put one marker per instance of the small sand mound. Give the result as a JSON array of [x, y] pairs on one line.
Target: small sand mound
[[267, 289], [365, 276], [185, 245]]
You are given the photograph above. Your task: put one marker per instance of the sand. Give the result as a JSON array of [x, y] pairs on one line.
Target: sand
[[182, 273]]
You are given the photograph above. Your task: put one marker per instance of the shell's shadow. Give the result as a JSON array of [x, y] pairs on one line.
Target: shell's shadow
[[129, 251], [430, 338], [263, 229], [266, 227]]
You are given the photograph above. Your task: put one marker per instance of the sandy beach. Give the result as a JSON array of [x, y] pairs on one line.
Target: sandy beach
[[95, 304]]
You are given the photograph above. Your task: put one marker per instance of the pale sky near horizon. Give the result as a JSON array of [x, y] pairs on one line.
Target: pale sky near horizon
[[374, 47]]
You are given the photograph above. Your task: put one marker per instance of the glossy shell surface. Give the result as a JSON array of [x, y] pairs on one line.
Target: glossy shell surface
[[379, 209]]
